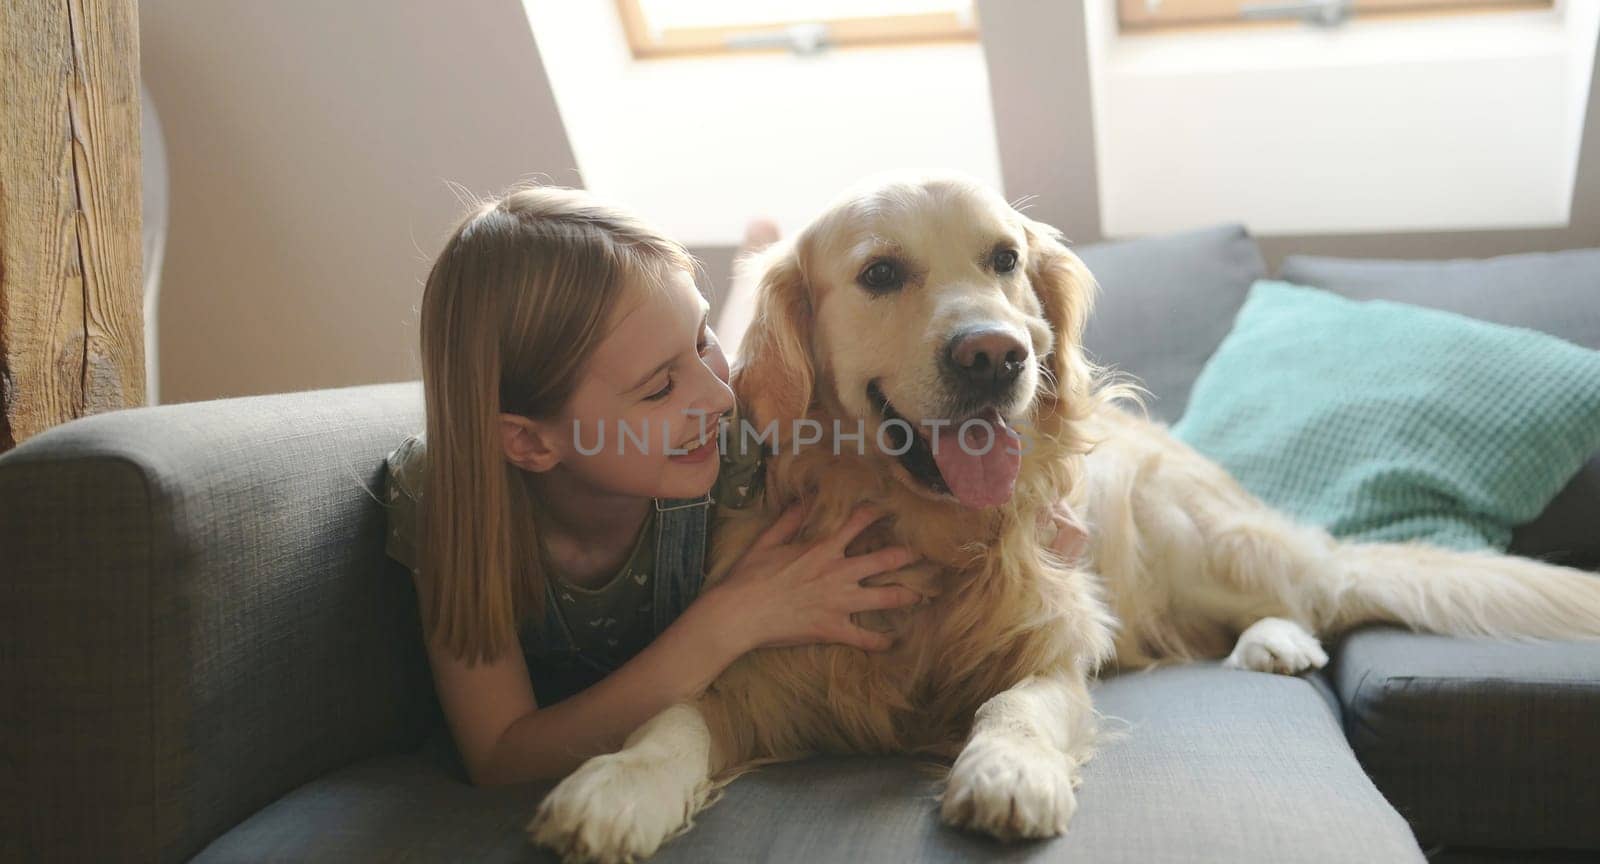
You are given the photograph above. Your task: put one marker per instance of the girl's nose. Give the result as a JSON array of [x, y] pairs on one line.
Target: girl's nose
[[715, 396]]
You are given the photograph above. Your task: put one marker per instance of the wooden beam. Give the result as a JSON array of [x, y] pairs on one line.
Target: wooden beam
[[71, 310]]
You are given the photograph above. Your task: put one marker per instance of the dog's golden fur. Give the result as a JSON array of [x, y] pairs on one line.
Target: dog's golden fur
[[992, 669], [990, 619]]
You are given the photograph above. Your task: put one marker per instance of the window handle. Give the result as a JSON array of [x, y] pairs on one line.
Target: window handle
[[1323, 13], [799, 38]]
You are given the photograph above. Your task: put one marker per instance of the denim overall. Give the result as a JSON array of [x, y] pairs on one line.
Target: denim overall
[[556, 665]]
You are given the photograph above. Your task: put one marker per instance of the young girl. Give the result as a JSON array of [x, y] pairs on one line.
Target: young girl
[[559, 584]]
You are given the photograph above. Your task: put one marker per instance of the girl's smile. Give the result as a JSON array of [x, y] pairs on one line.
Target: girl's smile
[[699, 454]]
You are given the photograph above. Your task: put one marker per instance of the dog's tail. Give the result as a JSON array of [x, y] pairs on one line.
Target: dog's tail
[[1457, 593]]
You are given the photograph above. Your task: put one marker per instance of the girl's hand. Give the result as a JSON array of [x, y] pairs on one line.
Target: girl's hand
[[783, 593]]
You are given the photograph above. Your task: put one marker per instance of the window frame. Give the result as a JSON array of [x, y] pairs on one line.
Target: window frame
[[1130, 20], [865, 31]]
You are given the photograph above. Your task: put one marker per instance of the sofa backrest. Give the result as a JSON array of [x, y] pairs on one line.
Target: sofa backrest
[[1166, 303]]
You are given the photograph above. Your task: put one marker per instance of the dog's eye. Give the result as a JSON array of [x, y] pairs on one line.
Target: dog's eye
[[1004, 260], [881, 276]]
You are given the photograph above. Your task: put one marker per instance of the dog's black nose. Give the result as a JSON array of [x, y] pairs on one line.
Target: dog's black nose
[[986, 360]]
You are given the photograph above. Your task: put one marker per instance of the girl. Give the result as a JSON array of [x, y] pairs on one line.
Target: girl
[[552, 323]]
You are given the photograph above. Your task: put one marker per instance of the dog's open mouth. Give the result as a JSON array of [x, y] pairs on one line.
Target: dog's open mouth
[[973, 459]]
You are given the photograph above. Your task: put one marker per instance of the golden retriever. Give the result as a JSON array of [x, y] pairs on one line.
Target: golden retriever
[[910, 303]]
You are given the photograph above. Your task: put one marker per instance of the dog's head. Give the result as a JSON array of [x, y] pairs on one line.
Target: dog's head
[[932, 309]]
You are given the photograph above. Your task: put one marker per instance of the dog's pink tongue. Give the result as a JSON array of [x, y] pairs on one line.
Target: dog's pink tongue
[[982, 470]]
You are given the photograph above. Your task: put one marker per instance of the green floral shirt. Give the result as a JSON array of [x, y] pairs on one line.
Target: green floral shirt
[[611, 621]]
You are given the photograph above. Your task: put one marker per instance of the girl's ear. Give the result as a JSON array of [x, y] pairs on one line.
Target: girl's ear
[[774, 376], [1066, 290], [529, 444]]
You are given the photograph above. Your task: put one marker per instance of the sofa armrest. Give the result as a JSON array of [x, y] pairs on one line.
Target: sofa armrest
[[1478, 742], [196, 616]]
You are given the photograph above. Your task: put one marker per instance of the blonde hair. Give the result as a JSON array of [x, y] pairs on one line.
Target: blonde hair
[[517, 300]]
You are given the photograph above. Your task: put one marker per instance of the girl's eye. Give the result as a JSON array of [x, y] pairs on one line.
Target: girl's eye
[[1004, 261], [663, 393]]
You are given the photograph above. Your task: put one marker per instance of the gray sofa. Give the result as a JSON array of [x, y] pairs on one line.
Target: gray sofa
[[204, 653]]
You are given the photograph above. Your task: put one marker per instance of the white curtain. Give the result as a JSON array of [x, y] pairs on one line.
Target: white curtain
[[154, 194]]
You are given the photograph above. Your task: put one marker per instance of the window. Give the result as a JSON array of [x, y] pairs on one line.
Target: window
[[1136, 15], [668, 28]]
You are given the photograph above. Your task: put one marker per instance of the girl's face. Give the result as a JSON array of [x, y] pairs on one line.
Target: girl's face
[[643, 421]]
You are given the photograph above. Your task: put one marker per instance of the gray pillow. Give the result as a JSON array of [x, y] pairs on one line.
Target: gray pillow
[[1555, 292], [1165, 304]]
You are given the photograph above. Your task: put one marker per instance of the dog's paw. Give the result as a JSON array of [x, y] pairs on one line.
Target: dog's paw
[[1010, 788], [619, 807], [1277, 645]]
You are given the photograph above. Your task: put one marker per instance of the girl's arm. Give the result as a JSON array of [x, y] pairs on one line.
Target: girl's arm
[[504, 737], [778, 593]]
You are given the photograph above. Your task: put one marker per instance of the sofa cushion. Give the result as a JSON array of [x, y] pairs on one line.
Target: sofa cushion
[[1388, 422], [1554, 292], [1210, 764], [1165, 304], [1478, 742]]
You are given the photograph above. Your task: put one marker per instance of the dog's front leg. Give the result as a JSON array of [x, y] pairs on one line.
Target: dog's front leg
[[622, 806], [1015, 776]]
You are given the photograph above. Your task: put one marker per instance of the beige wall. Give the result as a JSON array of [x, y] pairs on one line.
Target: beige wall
[[309, 143]]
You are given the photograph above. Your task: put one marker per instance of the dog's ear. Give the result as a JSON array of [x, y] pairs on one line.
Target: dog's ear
[[1066, 289], [774, 375]]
